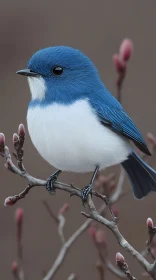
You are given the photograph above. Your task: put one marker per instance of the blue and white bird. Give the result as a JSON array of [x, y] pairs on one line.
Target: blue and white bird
[[77, 125]]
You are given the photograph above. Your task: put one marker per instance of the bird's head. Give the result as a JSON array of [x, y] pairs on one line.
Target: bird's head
[[60, 74]]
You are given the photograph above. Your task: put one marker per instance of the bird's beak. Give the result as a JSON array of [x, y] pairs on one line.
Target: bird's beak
[[27, 72]]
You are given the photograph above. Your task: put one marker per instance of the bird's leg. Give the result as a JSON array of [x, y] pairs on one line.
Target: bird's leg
[[88, 189], [51, 180]]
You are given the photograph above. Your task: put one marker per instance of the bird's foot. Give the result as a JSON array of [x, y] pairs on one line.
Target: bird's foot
[[85, 192], [50, 182]]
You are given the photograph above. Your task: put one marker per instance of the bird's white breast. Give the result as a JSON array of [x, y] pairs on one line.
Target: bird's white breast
[[70, 137]]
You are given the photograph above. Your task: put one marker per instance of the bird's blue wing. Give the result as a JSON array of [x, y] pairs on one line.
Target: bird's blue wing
[[111, 114]]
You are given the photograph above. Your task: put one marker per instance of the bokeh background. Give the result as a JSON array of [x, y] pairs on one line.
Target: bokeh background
[[97, 28]]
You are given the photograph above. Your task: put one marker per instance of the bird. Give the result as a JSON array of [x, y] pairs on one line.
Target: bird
[[77, 125]]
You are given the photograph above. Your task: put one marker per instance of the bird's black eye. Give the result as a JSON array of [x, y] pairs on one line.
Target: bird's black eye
[[57, 70]]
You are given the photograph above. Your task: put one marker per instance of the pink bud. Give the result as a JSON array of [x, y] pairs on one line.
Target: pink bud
[[119, 257], [14, 267], [119, 64], [92, 231], [100, 237], [15, 138], [19, 215], [21, 130], [9, 202], [149, 223], [64, 208], [126, 49], [2, 139], [115, 211], [151, 138]]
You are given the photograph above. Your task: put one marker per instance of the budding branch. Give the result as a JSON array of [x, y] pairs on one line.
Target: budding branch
[[20, 170]]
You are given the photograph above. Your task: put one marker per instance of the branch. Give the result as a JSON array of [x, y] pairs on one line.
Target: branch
[[32, 182], [93, 214], [18, 142], [100, 243], [21, 171], [151, 269], [114, 270], [59, 220], [51, 214], [60, 228], [119, 185], [65, 248]]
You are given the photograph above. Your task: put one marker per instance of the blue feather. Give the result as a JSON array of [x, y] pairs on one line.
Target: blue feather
[[141, 175], [111, 114]]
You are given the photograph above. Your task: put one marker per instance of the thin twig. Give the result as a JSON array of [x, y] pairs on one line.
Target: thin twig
[[101, 270], [64, 250], [119, 187], [33, 182], [103, 256], [61, 225], [93, 214], [72, 277], [121, 240], [51, 214], [114, 270], [60, 221]]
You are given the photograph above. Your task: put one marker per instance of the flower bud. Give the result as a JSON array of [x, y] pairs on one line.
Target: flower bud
[[9, 202], [149, 223], [14, 267], [2, 139], [21, 130], [92, 231], [119, 257], [15, 138], [126, 49]]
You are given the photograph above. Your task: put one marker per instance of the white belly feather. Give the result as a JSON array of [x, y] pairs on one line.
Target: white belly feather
[[71, 137]]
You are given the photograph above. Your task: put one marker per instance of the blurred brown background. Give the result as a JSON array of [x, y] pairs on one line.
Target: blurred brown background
[[97, 28]]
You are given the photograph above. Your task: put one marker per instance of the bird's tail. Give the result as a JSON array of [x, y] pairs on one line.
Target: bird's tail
[[141, 175]]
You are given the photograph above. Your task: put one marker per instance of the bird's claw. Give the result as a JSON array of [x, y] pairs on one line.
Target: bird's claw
[[50, 185], [50, 182], [84, 194]]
